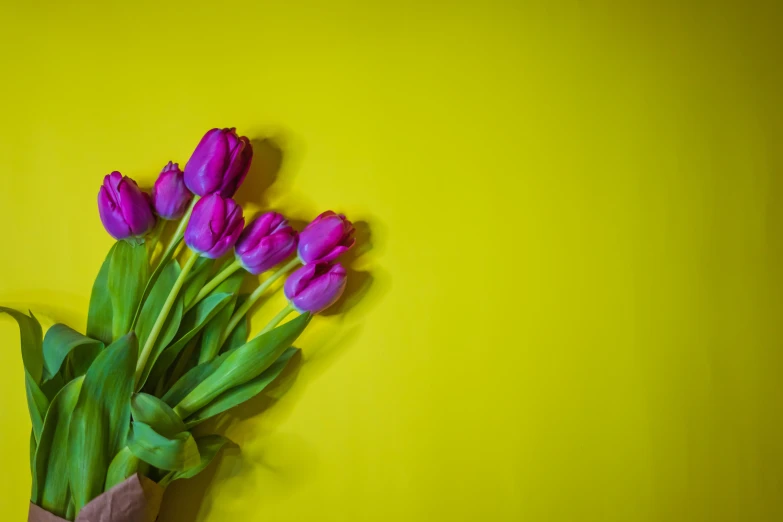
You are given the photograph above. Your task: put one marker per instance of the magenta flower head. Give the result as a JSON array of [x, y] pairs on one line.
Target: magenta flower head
[[315, 286], [170, 196], [325, 238], [219, 164], [265, 242], [124, 209], [214, 226]]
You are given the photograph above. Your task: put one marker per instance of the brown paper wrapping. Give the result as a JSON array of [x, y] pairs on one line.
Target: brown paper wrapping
[[135, 500]]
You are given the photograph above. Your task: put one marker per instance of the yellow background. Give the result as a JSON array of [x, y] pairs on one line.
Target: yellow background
[[567, 304]]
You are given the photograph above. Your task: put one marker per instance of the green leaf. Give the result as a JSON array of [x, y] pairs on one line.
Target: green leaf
[[127, 277], [183, 364], [238, 335], [62, 341], [152, 309], [190, 326], [154, 302], [196, 279], [37, 404], [240, 394], [31, 338], [179, 452], [122, 466], [51, 387], [99, 426], [243, 364], [33, 449], [50, 489], [157, 414], [210, 339], [208, 446], [99, 318], [30, 335], [188, 382], [167, 255]]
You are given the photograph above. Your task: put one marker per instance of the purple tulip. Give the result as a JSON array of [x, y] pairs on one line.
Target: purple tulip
[[124, 209], [325, 238], [170, 196], [315, 286], [265, 242], [214, 226], [219, 164]]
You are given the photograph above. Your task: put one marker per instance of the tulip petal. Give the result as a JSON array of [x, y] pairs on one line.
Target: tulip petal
[[325, 238], [170, 196], [321, 290], [135, 207], [111, 217], [214, 226], [267, 241], [219, 163], [205, 169], [199, 235], [237, 167], [298, 281]]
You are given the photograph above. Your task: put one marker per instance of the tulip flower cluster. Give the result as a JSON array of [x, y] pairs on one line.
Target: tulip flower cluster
[[167, 342]]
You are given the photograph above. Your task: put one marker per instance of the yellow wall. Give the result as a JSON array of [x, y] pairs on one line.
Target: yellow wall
[[569, 305]]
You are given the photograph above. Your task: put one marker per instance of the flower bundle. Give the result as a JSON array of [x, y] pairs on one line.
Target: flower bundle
[[166, 345]]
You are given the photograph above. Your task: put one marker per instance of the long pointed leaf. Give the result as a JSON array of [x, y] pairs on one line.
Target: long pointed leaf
[[99, 318], [150, 312], [196, 279], [37, 404], [244, 392], [33, 449], [243, 364], [99, 425], [157, 414], [238, 335], [165, 258], [51, 459], [127, 277], [190, 325], [213, 332], [51, 387], [62, 341], [155, 300], [122, 466], [31, 338], [179, 452], [208, 446], [188, 382]]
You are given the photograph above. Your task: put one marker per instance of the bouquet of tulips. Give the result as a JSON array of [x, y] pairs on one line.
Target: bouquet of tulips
[[166, 345]]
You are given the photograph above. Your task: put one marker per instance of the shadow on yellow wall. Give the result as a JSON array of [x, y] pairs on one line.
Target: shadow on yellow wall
[[322, 346]]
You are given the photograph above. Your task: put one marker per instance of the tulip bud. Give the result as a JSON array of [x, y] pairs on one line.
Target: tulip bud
[[124, 209], [315, 286], [170, 196], [325, 238], [214, 226], [219, 164], [265, 242]]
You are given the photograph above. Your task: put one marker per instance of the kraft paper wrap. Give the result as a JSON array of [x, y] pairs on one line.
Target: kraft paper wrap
[[135, 500]]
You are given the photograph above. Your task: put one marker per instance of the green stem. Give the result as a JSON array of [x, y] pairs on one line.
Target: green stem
[[255, 296], [182, 362], [164, 312], [180, 232], [154, 238], [276, 319], [164, 258], [222, 276]]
